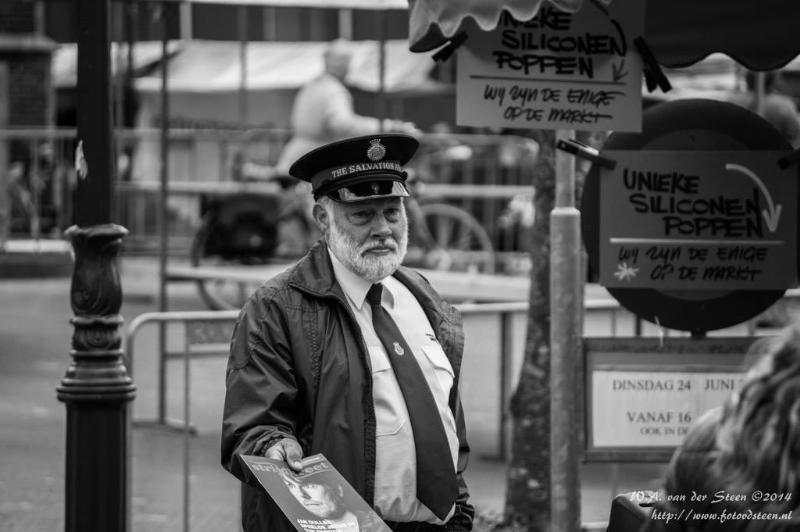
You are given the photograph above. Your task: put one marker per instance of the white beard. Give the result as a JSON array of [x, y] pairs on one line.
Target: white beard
[[373, 268]]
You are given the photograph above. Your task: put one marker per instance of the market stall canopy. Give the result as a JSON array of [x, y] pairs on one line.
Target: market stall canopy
[[378, 5], [214, 66], [761, 35], [64, 64]]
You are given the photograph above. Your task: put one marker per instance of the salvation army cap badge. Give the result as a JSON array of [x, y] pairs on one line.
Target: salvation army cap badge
[[376, 150], [398, 349]]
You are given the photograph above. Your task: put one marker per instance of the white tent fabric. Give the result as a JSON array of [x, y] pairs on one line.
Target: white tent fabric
[[761, 35], [377, 5], [214, 66], [64, 64], [448, 16]]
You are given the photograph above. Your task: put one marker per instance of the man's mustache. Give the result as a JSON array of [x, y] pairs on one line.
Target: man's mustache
[[386, 244]]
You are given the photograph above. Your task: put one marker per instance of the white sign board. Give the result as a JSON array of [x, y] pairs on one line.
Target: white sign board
[[558, 70], [643, 394], [653, 409]]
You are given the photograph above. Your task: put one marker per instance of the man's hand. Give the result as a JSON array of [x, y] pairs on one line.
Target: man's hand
[[289, 451]]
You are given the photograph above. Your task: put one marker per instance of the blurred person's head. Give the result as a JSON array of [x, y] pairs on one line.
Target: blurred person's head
[[690, 467], [337, 58], [690, 471], [759, 434]]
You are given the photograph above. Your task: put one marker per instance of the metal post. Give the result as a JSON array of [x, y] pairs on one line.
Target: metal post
[[565, 336], [760, 92], [5, 202], [381, 96], [162, 211], [96, 388], [94, 191], [241, 28], [187, 432], [505, 355], [346, 24]]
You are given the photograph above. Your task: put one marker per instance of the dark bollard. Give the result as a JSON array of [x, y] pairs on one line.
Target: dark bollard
[[96, 387]]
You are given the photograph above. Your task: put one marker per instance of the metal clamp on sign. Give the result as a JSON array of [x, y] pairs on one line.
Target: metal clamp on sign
[[447, 50], [579, 149], [653, 75]]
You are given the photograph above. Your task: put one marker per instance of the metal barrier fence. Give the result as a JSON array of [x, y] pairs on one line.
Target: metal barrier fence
[[208, 333], [488, 176]]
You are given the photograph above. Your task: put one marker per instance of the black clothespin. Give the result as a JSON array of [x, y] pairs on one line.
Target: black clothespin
[[579, 149], [453, 43], [789, 160], [653, 75]]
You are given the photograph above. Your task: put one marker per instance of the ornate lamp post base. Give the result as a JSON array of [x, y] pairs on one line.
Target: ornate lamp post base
[[96, 387]]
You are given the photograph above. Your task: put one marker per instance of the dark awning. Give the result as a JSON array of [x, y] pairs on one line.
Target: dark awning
[[761, 35]]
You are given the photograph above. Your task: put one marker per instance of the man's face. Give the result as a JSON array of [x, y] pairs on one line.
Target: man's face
[[315, 498], [369, 237]]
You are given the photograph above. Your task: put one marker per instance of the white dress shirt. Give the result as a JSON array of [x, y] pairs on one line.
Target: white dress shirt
[[395, 460]]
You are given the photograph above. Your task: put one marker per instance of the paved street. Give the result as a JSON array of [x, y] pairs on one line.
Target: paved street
[[34, 343]]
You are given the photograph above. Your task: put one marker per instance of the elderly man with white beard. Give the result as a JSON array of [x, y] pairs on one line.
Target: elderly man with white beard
[[352, 355]]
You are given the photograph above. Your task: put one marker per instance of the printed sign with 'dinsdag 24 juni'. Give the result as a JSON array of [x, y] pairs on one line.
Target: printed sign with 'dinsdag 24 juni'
[[698, 221], [558, 70]]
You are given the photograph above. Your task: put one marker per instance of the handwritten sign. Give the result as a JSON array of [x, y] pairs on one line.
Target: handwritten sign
[[642, 396], [558, 70], [698, 220]]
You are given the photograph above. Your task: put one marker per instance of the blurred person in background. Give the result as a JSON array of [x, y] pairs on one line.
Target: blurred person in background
[[322, 112], [758, 439], [743, 457]]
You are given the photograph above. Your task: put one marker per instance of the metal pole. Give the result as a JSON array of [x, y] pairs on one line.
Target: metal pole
[[241, 23], [94, 196], [565, 338], [96, 388], [162, 213], [346, 24], [5, 200], [187, 431], [505, 354], [380, 104], [760, 92]]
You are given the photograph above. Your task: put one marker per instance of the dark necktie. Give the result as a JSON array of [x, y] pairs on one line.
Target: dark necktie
[[436, 479]]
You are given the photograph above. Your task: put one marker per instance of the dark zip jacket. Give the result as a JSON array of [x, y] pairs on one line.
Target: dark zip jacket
[[299, 368]]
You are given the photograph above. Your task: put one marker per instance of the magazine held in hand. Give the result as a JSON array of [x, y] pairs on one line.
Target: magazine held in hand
[[318, 498]]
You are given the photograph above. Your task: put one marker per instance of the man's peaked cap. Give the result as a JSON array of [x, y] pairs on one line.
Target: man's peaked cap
[[359, 168]]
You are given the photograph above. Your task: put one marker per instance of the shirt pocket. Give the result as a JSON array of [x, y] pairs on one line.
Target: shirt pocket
[[442, 368], [389, 403]]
